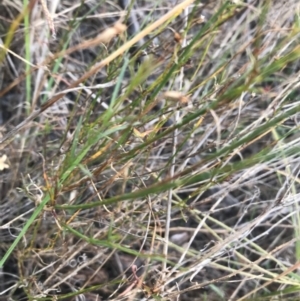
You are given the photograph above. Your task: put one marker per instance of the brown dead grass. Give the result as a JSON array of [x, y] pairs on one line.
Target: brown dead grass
[[49, 262]]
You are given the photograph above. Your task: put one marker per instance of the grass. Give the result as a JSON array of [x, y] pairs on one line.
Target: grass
[[161, 171]]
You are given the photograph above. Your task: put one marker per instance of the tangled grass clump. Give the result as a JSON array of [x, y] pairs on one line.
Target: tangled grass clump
[[149, 150]]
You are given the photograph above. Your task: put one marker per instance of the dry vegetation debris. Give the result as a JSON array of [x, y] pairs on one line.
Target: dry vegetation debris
[[145, 163]]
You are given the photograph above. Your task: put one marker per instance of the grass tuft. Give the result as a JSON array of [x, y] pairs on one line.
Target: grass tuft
[[149, 150]]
